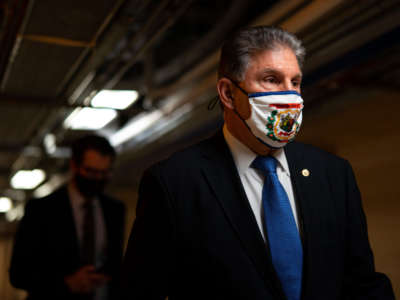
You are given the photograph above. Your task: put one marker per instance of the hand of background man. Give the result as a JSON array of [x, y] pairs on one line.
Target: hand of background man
[[85, 280]]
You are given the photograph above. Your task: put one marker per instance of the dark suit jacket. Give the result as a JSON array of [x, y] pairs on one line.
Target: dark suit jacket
[[195, 235], [46, 245]]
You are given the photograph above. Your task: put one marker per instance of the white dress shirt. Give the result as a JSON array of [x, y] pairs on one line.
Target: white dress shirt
[[253, 180]]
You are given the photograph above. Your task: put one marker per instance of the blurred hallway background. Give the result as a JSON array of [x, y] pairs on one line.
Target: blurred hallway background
[[57, 57]]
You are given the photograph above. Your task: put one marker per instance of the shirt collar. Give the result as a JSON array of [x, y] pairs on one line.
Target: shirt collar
[[76, 197], [244, 156]]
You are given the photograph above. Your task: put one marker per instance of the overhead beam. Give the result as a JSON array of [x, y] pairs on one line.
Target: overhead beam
[[11, 148], [49, 102]]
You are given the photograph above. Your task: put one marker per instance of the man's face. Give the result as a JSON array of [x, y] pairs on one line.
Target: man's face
[[92, 173], [268, 71]]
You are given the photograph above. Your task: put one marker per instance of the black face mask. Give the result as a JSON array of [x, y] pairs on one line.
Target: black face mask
[[90, 187]]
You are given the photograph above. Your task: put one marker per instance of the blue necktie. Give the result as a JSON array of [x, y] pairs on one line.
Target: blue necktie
[[283, 236]]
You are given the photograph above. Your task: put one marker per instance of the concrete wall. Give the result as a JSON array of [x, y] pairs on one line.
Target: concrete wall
[[7, 292], [363, 127]]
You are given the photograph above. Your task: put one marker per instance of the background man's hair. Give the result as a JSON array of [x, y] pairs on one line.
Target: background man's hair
[[238, 49], [92, 142]]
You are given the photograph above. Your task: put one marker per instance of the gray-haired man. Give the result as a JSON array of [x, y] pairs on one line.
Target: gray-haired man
[[246, 214]]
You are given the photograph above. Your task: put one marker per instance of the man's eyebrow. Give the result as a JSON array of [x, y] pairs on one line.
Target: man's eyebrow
[[298, 76], [269, 70], [275, 71]]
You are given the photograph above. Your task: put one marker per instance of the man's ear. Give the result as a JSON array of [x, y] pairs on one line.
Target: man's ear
[[224, 87]]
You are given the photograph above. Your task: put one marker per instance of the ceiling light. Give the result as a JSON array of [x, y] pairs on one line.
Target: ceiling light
[[49, 142], [5, 204], [54, 182], [15, 213], [89, 118], [27, 179], [116, 99]]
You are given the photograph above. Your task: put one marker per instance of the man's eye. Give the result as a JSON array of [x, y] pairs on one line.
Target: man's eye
[[296, 83], [271, 80]]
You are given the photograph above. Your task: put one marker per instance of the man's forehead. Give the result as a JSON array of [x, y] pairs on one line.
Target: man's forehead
[[274, 60], [92, 155]]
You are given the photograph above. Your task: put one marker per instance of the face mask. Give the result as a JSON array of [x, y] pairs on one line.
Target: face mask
[[89, 187], [275, 116]]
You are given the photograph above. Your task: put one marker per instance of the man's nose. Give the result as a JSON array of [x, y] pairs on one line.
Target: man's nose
[[287, 85]]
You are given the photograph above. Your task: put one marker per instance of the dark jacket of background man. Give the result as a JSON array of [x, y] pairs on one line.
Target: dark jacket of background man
[[47, 249]]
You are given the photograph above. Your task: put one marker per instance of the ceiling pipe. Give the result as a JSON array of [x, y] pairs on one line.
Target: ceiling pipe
[[55, 116], [28, 101], [92, 81], [87, 73], [214, 37], [360, 35], [154, 17], [308, 14], [18, 17], [100, 83], [87, 50], [118, 76], [110, 83]]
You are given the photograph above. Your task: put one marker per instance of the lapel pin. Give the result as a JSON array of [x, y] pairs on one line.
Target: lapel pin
[[305, 173]]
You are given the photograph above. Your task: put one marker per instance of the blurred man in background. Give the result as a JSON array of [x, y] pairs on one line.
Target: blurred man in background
[[69, 244], [246, 214]]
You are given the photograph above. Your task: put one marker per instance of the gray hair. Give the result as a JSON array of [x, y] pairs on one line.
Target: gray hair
[[237, 50]]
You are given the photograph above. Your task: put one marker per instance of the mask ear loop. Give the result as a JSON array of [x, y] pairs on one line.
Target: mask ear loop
[[212, 103], [237, 85], [214, 100]]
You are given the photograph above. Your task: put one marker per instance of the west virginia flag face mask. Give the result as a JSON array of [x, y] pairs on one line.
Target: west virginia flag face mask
[[275, 116]]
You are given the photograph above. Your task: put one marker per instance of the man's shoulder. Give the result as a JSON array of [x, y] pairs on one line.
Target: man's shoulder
[[190, 157], [309, 154], [47, 203], [60, 193], [311, 150]]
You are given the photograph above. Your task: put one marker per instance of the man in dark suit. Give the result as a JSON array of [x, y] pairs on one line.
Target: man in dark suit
[[69, 244], [246, 214]]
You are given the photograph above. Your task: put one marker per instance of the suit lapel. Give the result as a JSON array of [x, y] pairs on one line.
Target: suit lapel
[[221, 174], [66, 219]]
